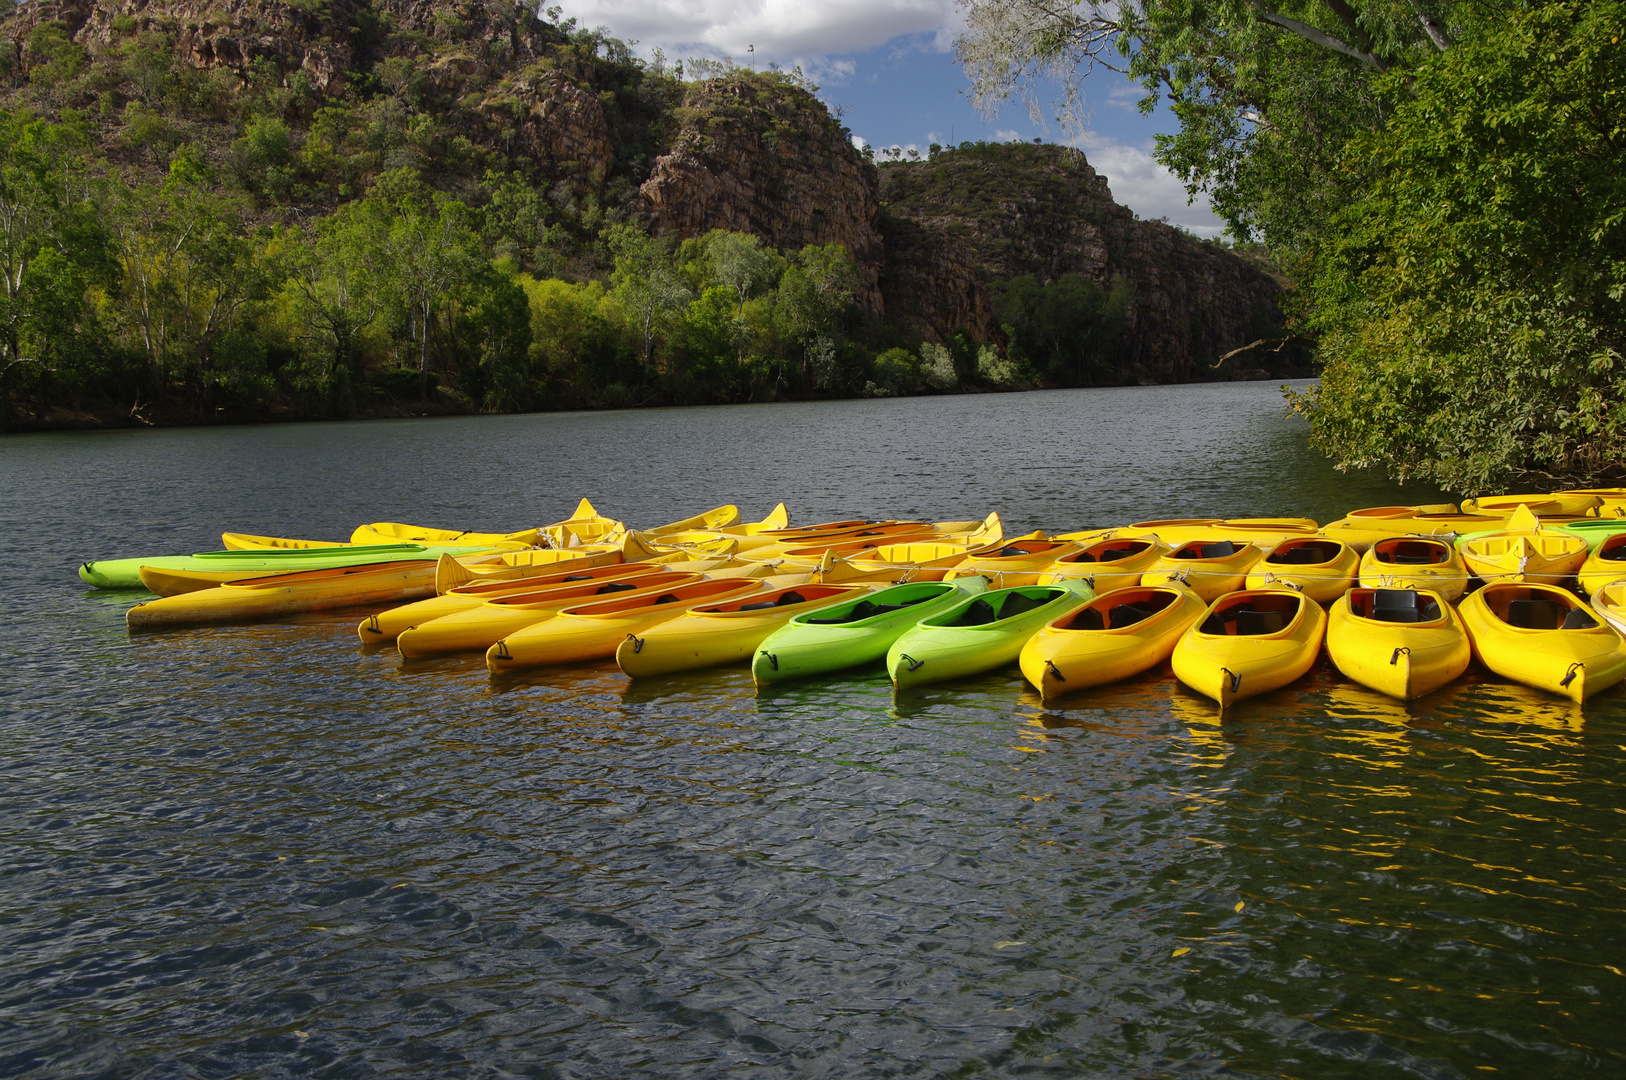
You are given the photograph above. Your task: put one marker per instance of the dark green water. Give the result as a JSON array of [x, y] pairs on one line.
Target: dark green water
[[259, 851]]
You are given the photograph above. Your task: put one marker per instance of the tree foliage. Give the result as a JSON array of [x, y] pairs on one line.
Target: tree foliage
[[1443, 179]]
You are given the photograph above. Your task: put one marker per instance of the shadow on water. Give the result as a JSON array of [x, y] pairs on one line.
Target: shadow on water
[[270, 851]]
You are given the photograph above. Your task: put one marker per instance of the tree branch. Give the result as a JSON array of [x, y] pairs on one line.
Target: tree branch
[[1436, 33], [1323, 39], [1276, 345]]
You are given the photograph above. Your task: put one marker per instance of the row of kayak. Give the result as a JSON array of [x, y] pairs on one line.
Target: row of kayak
[[1236, 605]]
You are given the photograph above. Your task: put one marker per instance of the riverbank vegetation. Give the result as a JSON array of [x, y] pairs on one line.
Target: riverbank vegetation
[[182, 244], [1445, 181]]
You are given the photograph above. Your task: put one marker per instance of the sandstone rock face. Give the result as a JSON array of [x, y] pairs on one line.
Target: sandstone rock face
[[1043, 210], [767, 158]]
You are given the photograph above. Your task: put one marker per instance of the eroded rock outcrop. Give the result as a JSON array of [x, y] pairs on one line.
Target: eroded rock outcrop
[[766, 158], [1042, 210]]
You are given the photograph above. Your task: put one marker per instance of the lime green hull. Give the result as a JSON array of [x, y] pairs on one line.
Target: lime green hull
[[947, 646], [810, 645], [125, 573]]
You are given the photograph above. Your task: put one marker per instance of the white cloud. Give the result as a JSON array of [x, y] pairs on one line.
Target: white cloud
[[1007, 135], [783, 31], [1146, 187]]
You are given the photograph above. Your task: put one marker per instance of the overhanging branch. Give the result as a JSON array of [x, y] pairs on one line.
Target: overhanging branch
[[1322, 38]]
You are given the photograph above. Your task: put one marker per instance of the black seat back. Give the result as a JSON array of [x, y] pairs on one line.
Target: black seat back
[[1218, 549], [614, 586], [1533, 614], [1129, 615], [978, 613], [1251, 622], [1019, 604], [1089, 619], [1394, 605], [861, 610]]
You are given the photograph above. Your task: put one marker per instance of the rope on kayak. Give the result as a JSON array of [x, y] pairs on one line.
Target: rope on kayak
[[773, 658], [500, 650], [1271, 579], [1054, 670], [637, 643], [372, 625], [914, 665], [1395, 657], [1236, 680], [1575, 669]]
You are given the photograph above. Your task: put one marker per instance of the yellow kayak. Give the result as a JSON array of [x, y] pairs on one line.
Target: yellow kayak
[[1570, 504], [475, 628], [584, 526], [1015, 562], [386, 626], [1611, 500], [1415, 562], [922, 560], [1524, 551], [175, 582], [1400, 642], [1209, 568], [1116, 635], [519, 565], [1544, 637], [1250, 643], [1107, 564], [1264, 532], [593, 631], [235, 541], [1606, 564], [289, 594], [1609, 604], [1321, 569], [727, 633], [394, 532], [1361, 533]]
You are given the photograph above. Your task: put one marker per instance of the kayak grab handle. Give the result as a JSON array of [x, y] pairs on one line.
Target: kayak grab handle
[[637, 643], [1395, 658], [502, 650], [1054, 670], [914, 665], [372, 625], [1236, 680], [773, 658], [1569, 676]]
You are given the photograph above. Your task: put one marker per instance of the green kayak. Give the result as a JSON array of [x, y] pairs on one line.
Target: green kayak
[[854, 632], [124, 573], [980, 632], [1595, 532]]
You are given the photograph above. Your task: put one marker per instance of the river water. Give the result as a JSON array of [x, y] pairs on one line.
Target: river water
[[261, 851]]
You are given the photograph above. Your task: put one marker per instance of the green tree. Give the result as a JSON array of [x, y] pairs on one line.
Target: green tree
[[646, 283], [1068, 328]]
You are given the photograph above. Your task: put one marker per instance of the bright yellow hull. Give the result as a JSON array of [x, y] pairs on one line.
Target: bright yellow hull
[[1404, 660], [1574, 663], [1546, 557], [1563, 504], [1072, 653], [1264, 532], [1361, 533], [593, 631], [1325, 580], [1395, 562], [1213, 658], [394, 532], [289, 594], [1107, 564], [475, 629], [456, 572], [1598, 570], [1015, 562], [1210, 578], [386, 626], [234, 541], [175, 582], [719, 634]]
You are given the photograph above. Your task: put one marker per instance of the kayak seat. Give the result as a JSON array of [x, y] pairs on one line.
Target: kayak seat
[[1249, 622], [787, 599], [1533, 614], [977, 613], [1019, 604], [760, 606], [1214, 624], [1010, 550], [578, 577], [1114, 554], [1219, 549], [1089, 619], [666, 598], [1412, 560], [1299, 556], [1128, 615], [1083, 556], [1614, 554], [1579, 619], [861, 610], [1395, 605], [614, 586]]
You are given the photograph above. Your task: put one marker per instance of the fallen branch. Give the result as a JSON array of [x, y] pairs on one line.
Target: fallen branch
[[1275, 344]]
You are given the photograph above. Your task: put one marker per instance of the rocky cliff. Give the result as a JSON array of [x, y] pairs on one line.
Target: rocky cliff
[[461, 90], [966, 219]]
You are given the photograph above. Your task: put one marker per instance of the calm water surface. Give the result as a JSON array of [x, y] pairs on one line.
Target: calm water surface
[[261, 851]]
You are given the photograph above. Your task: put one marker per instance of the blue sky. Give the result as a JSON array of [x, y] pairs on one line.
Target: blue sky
[[889, 66]]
